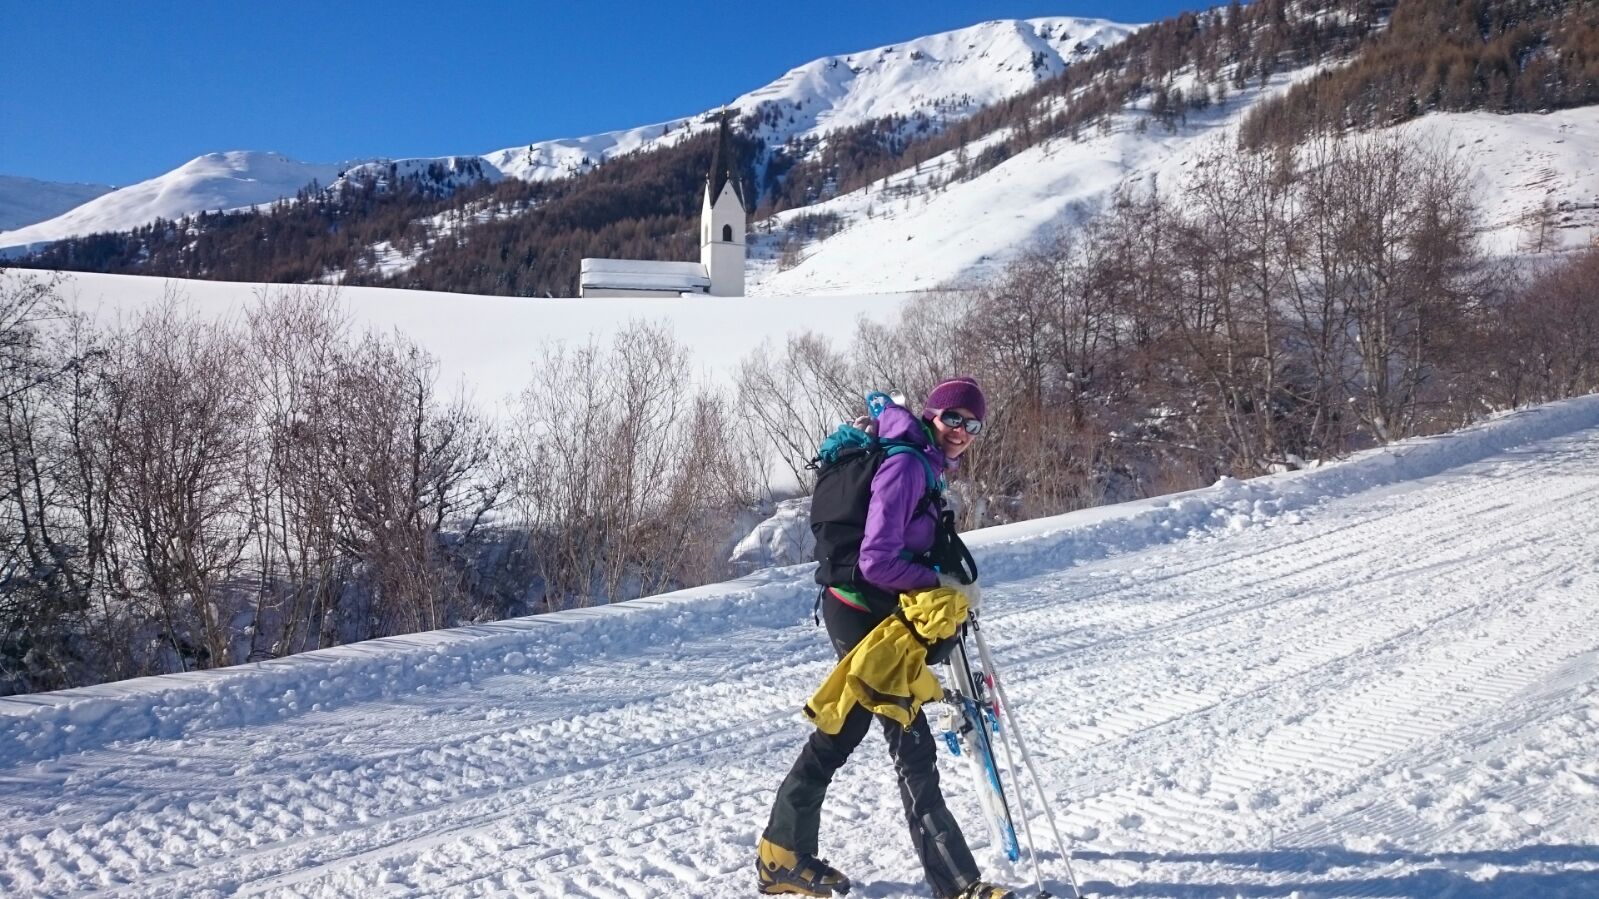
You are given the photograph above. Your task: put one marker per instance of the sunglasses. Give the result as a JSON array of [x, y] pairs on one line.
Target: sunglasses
[[955, 421]]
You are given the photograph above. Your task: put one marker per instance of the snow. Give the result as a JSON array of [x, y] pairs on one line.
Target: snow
[[782, 538], [1374, 678], [943, 75], [24, 201], [642, 274], [1521, 161], [488, 344], [211, 182], [971, 229], [951, 74]]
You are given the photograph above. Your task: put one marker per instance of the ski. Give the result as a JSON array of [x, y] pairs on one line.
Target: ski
[[970, 726]]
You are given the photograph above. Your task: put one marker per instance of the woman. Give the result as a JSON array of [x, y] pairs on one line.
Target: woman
[[900, 530]]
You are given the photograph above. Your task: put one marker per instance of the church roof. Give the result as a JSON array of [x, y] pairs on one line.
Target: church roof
[[722, 164], [637, 274]]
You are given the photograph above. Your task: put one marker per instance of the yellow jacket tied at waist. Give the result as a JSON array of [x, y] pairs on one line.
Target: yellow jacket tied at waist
[[887, 671]]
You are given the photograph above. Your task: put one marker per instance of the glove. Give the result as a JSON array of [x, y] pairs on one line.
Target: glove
[[971, 591]]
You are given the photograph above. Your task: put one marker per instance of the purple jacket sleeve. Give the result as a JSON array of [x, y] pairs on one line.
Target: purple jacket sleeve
[[897, 489]]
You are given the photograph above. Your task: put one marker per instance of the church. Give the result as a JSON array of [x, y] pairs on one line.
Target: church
[[720, 271]]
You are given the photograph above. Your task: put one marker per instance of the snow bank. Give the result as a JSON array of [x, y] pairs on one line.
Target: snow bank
[[1231, 504], [46, 725]]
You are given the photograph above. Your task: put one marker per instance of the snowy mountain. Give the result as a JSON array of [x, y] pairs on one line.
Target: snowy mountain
[[906, 235], [233, 180], [1377, 678], [944, 75], [24, 201]]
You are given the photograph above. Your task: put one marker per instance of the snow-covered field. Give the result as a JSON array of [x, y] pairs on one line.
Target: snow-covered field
[[1379, 678], [488, 345]]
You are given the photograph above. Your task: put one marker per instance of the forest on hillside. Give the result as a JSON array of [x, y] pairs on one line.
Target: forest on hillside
[[179, 494], [1447, 56]]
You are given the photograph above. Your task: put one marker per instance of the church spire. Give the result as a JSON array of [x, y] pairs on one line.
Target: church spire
[[722, 162]]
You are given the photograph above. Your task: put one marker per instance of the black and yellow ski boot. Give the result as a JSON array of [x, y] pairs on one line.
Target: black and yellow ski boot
[[980, 890], [785, 871]]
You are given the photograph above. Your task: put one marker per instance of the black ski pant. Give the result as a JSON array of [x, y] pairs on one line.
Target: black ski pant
[[797, 814]]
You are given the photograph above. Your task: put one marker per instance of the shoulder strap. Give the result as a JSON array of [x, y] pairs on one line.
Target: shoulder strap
[[895, 447], [932, 498], [949, 552]]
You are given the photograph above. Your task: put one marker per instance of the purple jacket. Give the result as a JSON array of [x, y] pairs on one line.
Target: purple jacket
[[897, 519]]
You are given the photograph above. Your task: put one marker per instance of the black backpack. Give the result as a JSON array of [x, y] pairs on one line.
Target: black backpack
[[847, 462]]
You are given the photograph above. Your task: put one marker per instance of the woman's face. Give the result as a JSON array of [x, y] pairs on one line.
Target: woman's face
[[953, 439]]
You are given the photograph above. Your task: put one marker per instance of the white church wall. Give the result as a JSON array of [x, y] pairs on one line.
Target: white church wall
[[723, 259]]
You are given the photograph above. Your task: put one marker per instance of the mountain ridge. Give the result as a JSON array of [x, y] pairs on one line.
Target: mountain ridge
[[815, 103], [228, 180]]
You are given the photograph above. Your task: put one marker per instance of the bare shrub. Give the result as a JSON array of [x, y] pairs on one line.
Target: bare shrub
[[410, 477], [176, 424], [1541, 337], [620, 469], [1036, 334], [296, 339], [796, 397], [1386, 277], [1236, 235], [51, 523], [911, 355]]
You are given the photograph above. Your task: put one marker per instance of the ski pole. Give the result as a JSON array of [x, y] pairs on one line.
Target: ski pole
[[1032, 770], [1015, 777]]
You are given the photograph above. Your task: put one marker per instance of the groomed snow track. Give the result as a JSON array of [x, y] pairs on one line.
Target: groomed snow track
[[1376, 679]]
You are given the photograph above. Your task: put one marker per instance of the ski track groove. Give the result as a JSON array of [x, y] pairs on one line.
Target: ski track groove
[[1395, 719], [373, 785]]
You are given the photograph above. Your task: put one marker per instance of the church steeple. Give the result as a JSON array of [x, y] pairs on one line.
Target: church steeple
[[723, 219]]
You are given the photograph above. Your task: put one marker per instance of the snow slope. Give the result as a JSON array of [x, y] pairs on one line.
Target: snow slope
[[951, 74], [24, 201], [488, 344], [214, 181], [1379, 678], [1523, 161], [968, 230]]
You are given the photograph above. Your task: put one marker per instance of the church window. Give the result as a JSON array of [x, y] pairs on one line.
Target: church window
[[727, 233]]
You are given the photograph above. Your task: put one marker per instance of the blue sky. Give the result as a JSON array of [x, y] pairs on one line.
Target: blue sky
[[116, 92]]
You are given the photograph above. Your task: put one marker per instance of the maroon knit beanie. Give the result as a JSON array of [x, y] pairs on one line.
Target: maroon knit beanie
[[957, 393]]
